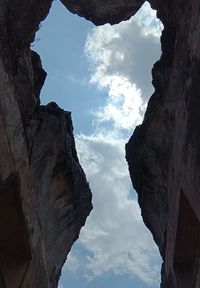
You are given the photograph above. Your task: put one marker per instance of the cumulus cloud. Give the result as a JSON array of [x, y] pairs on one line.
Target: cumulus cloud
[[124, 107], [127, 50], [73, 263], [115, 237]]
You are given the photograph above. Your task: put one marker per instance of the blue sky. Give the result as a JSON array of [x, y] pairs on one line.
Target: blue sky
[[103, 76]]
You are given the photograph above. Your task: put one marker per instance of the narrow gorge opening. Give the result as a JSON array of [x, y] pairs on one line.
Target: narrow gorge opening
[[103, 75]]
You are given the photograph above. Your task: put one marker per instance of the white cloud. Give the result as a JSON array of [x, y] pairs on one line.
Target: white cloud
[[124, 107], [115, 237], [121, 58], [73, 263]]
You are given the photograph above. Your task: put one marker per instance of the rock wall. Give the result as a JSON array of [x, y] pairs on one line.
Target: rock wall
[[44, 194], [163, 153]]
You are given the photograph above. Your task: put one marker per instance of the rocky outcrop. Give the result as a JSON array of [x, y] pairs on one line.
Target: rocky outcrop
[[101, 12], [163, 153], [44, 194]]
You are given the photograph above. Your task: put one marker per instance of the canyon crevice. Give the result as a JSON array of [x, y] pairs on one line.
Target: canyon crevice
[[45, 194]]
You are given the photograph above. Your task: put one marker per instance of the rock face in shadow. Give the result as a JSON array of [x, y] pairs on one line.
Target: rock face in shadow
[[101, 12], [163, 154], [44, 195]]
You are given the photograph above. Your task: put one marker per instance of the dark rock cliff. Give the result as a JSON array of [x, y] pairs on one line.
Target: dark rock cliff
[[163, 153], [44, 194]]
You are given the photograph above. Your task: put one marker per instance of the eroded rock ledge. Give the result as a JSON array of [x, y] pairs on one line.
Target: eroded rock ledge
[[44, 194], [163, 153]]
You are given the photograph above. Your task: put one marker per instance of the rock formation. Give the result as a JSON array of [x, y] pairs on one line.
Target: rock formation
[[163, 153], [44, 195]]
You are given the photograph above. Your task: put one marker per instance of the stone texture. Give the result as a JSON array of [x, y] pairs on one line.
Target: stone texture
[[44, 194], [101, 12], [163, 152]]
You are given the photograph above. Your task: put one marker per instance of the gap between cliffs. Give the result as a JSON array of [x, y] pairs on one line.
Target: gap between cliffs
[[91, 147], [163, 152]]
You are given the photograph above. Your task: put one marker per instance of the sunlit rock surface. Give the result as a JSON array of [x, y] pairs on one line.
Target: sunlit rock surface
[[44, 194]]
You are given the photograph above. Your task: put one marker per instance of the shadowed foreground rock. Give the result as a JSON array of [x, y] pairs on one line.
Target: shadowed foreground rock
[[44, 195], [164, 152]]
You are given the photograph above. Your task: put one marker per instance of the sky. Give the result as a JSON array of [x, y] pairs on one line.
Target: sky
[[103, 76]]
